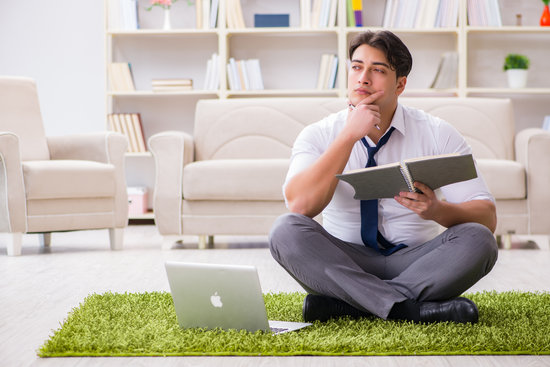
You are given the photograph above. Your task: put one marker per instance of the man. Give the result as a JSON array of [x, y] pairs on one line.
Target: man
[[344, 272]]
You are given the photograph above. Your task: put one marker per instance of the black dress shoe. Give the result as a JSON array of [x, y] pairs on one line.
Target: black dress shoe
[[460, 310], [323, 308]]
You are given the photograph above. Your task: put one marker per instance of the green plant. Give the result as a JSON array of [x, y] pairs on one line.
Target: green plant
[[516, 61], [546, 2]]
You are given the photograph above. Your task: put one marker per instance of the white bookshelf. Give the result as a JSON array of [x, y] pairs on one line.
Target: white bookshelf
[[290, 57]]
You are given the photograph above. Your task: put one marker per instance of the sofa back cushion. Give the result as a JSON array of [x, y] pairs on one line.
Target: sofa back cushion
[[20, 114], [250, 128], [255, 128], [487, 124]]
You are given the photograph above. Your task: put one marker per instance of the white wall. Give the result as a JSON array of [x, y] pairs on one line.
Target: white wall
[[61, 45]]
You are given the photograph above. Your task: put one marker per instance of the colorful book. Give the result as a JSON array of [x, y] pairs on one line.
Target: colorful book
[[357, 7], [351, 16]]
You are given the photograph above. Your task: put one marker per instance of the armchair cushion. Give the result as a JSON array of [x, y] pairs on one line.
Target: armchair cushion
[[234, 179], [68, 179], [506, 179]]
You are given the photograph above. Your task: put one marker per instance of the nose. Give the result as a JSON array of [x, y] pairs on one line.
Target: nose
[[363, 78]]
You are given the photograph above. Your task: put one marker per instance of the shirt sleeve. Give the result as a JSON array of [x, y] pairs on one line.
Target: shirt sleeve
[[307, 148]]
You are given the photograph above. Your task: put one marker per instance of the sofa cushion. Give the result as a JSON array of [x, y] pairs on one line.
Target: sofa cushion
[[235, 179], [505, 179], [58, 179]]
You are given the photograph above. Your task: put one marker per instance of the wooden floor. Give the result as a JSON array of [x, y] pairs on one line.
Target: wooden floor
[[39, 288]]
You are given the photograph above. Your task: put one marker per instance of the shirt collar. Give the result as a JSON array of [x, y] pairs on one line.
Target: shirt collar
[[398, 120]]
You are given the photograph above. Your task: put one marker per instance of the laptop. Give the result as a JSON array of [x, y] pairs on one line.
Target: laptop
[[221, 296]]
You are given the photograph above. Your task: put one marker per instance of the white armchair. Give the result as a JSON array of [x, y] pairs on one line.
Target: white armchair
[[51, 184]]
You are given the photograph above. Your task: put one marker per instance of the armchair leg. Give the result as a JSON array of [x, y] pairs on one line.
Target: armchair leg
[[116, 237], [206, 242], [15, 244], [169, 241], [45, 239]]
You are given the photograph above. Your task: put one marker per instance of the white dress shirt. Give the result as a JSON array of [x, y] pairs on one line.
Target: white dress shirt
[[416, 134]]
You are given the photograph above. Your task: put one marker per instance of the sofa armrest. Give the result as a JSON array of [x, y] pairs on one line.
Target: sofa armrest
[[105, 147], [172, 150], [533, 151], [12, 187]]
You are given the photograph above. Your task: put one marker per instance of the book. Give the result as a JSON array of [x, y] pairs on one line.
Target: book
[[350, 14], [387, 180], [447, 72], [198, 14], [332, 13], [138, 131], [129, 125], [171, 85], [214, 13], [122, 15], [305, 13], [131, 133], [120, 77], [255, 77], [271, 20], [357, 7]]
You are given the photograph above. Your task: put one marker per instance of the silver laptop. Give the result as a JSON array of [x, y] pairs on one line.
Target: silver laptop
[[221, 296]]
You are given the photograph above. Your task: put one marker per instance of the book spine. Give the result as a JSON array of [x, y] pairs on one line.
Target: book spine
[[357, 6]]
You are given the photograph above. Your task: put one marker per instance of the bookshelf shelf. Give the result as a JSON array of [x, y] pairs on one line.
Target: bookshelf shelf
[[509, 29], [509, 91], [162, 32], [285, 92], [282, 31], [452, 30], [148, 93], [290, 59], [139, 155]]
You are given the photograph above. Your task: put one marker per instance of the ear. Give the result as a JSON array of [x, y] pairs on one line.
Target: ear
[[401, 82]]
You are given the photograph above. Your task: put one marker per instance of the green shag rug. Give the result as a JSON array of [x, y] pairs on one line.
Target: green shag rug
[[145, 324]]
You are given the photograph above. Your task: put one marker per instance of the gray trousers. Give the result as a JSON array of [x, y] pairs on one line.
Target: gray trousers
[[440, 269]]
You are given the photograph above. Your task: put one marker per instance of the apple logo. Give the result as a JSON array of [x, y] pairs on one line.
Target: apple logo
[[216, 300]]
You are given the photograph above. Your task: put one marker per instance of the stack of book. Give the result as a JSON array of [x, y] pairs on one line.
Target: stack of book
[[171, 85], [244, 74], [318, 13], [485, 13], [234, 13], [207, 13], [129, 125], [120, 77], [212, 79], [123, 14], [421, 13], [327, 71]]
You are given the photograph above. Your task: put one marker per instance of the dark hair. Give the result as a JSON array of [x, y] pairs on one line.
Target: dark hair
[[396, 52]]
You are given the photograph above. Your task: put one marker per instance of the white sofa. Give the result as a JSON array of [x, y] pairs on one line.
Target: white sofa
[[226, 179]]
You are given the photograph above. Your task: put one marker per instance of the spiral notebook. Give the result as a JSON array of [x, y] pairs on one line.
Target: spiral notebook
[[386, 181]]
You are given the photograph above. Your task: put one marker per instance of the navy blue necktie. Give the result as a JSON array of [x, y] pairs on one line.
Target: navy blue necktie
[[369, 209]]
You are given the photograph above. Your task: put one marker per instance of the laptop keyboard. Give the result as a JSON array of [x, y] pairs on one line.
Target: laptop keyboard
[[277, 330]]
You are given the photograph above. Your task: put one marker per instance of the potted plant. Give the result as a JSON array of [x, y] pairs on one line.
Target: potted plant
[[516, 66]]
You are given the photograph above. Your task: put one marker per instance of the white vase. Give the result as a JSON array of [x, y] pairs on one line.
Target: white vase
[[167, 24], [517, 78]]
